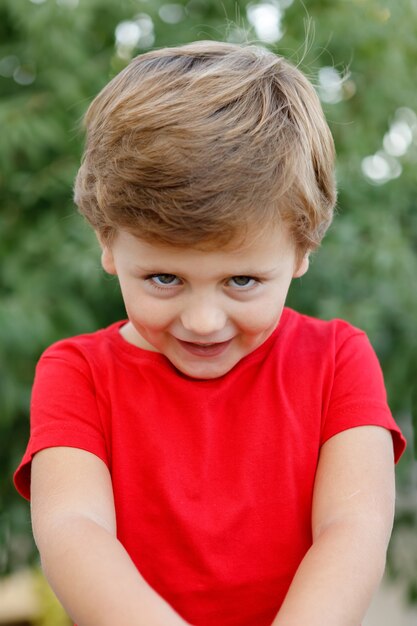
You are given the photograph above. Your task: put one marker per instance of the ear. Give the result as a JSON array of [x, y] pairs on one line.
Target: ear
[[302, 266], [107, 258], [107, 261]]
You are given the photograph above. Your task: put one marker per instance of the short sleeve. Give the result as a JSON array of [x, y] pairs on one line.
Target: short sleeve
[[64, 410], [358, 395]]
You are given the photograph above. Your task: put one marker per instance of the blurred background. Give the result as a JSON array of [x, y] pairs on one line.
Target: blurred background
[[55, 55]]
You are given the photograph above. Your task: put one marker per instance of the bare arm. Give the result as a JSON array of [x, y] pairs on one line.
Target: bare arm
[[75, 531], [353, 510]]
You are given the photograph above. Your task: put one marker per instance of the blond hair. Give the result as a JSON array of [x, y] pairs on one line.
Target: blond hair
[[199, 143]]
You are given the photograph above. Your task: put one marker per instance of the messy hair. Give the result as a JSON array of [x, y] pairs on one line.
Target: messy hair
[[200, 143]]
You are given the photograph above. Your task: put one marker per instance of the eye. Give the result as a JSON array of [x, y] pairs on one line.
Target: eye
[[164, 280], [242, 281]]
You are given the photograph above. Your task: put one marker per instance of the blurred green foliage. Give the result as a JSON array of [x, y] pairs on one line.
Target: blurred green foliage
[[55, 55]]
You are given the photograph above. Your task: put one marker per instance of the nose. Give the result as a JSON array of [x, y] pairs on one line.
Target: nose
[[203, 317]]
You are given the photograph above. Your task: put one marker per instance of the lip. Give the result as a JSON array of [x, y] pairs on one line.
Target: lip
[[205, 350]]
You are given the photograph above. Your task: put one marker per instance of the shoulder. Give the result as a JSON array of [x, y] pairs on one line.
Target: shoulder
[[84, 348], [334, 353], [338, 360], [311, 338], [318, 330]]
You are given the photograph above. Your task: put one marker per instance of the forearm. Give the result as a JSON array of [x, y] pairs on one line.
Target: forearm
[[96, 581], [337, 578]]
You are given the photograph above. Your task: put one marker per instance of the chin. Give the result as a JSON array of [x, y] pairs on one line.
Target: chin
[[203, 371]]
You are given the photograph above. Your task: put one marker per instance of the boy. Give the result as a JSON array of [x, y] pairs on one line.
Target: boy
[[216, 459]]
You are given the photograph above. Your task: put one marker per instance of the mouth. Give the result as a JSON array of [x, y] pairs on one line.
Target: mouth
[[205, 349]]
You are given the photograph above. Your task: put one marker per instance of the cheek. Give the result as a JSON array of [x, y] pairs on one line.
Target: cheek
[[150, 314], [258, 319]]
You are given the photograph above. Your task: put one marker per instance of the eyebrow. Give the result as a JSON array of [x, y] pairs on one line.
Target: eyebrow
[[159, 269], [259, 272]]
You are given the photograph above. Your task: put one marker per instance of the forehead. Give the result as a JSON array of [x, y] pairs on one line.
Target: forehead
[[257, 248]]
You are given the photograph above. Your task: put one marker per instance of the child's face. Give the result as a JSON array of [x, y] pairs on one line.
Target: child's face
[[204, 310]]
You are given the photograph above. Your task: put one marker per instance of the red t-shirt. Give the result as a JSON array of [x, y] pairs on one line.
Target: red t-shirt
[[212, 479]]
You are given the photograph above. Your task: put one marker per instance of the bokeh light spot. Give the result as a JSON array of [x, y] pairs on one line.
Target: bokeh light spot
[[398, 139], [127, 34], [24, 75], [135, 33], [266, 18], [330, 85], [172, 13], [380, 168], [145, 23]]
